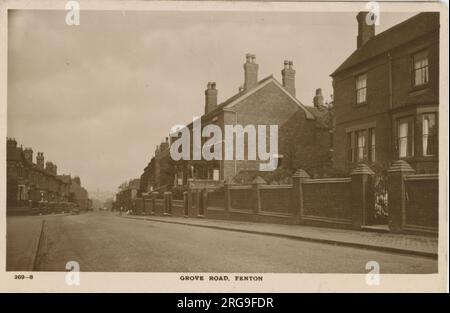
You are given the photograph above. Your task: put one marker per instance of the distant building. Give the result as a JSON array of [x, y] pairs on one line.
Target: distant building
[[29, 184], [79, 194], [128, 192], [108, 205], [386, 96], [148, 178]]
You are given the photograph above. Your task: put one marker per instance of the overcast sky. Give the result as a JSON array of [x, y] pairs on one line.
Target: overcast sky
[[96, 98]]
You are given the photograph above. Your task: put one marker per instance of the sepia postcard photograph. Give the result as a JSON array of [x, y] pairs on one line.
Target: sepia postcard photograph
[[224, 146]]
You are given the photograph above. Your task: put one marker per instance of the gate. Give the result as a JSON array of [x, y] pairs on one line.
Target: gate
[[380, 212]]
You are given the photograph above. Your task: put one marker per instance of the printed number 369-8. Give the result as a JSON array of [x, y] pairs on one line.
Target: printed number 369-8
[[23, 277]]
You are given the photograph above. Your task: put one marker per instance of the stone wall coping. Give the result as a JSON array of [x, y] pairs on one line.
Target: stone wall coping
[[328, 180], [400, 166], [259, 181], [276, 187], [422, 177], [237, 187], [362, 169], [301, 174]]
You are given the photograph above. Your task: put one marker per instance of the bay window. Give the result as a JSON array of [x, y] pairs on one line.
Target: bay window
[[405, 143], [361, 152], [429, 134], [361, 145], [372, 145]]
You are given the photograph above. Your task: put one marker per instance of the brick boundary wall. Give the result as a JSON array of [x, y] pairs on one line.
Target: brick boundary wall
[[331, 202], [413, 199]]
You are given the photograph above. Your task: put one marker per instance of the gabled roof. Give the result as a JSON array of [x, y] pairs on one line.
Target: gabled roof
[[262, 84], [414, 27], [230, 102]]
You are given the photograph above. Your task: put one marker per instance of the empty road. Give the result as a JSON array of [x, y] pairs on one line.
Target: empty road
[[105, 242]]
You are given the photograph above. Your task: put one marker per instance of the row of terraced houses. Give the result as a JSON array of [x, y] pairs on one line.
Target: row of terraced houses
[[36, 187], [383, 119]]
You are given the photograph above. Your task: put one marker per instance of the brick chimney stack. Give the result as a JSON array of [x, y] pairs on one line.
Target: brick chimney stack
[[250, 72], [77, 180], [49, 167], [210, 97], [288, 75], [365, 30], [40, 160], [28, 153], [11, 143], [318, 99], [164, 145]]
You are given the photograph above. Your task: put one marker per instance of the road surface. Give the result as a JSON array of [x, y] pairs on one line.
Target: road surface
[[105, 242]]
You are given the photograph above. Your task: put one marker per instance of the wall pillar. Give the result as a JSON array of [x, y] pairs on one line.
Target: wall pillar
[[397, 194], [362, 194], [201, 202], [256, 195], [227, 198], [153, 209], [186, 204], [191, 200], [299, 177], [168, 203]]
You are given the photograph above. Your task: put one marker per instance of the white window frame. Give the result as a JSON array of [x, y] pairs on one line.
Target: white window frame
[[361, 88]]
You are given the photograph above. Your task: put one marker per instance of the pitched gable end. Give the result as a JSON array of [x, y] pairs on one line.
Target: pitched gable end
[[264, 83]]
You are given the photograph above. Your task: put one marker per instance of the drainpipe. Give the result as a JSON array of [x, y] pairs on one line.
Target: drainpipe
[[392, 150], [235, 123], [390, 81]]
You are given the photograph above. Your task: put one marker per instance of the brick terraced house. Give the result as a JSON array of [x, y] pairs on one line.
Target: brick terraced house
[[128, 192], [32, 185], [386, 96], [303, 132]]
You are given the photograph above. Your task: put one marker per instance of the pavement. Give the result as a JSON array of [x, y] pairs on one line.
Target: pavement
[[103, 242], [23, 239], [398, 243]]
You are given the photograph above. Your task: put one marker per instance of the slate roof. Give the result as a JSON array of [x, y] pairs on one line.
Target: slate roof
[[414, 27]]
